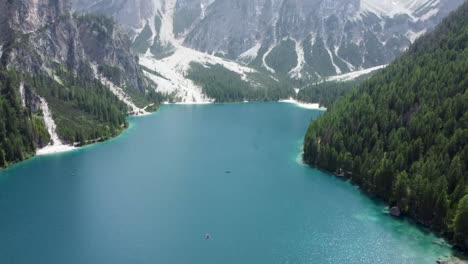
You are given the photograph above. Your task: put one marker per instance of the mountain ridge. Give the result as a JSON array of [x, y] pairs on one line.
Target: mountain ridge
[[71, 78], [342, 36], [293, 41]]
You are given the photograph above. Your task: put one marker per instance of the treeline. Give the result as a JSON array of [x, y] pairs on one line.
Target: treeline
[[84, 109], [223, 85], [326, 93], [21, 132], [403, 134]]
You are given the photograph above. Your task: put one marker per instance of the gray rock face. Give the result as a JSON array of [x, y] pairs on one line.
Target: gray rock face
[[234, 31], [335, 36], [329, 37], [395, 211], [131, 13], [42, 35], [30, 15]]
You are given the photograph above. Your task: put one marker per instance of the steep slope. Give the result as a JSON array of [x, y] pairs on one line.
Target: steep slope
[[326, 93], [167, 62], [20, 132], [327, 37], [129, 13], [76, 76], [301, 39], [403, 134]]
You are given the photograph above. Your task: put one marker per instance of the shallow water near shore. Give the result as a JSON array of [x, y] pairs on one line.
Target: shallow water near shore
[[228, 170]]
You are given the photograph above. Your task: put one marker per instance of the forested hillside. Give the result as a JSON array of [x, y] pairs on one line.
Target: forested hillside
[[83, 108], [20, 130], [64, 79], [326, 93], [223, 85], [403, 134]]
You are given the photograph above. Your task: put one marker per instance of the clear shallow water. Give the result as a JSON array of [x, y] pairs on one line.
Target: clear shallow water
[[151, 195]]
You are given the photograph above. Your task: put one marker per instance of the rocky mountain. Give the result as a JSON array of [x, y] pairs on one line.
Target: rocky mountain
[[48, 29], [74, 74], [323, 38], [167, 61], [299, 38]]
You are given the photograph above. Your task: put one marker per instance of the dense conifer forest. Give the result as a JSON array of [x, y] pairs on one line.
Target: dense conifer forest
[[403, 134], [326, 93], [20, 132], [84, 109]]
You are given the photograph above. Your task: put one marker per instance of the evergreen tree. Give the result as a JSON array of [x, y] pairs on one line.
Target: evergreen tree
[[461, 223], [406, 129]]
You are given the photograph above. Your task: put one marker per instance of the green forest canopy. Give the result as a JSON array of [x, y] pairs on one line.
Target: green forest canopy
[[403, 134]]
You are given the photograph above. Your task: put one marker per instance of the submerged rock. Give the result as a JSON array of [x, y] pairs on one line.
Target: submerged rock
[[395, 211]]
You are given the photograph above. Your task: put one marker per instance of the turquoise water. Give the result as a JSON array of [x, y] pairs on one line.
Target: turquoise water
[[151, 195]]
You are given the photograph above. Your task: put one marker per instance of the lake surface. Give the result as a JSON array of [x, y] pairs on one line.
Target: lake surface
[[229, 170]]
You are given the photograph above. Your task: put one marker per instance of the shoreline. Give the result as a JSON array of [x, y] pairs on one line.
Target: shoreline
[[189, 103], [457, 257], [62, 148], [453, 259], [312, 106], [53, 149]]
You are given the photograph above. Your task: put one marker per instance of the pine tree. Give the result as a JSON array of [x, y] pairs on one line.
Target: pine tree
[[401, 191], [460, 226]]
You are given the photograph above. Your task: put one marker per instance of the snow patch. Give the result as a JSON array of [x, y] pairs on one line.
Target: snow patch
[[153, 31], [412, 36], [417, 5], [296, 72], [138, 32], [386, 8], [56, 145], [353, 75], [250, 54], [119, 92], [57, 79], [429, 14], [203, 10], [390, 8], [175, 68], [22, 94], [348, 64], [337, 69], [171, 72], [264, 64]]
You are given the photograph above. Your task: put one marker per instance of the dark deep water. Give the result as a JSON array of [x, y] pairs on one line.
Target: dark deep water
[[151, 195]]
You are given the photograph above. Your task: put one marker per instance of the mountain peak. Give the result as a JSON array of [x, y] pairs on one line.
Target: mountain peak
[[391, 8], [297, 38]]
